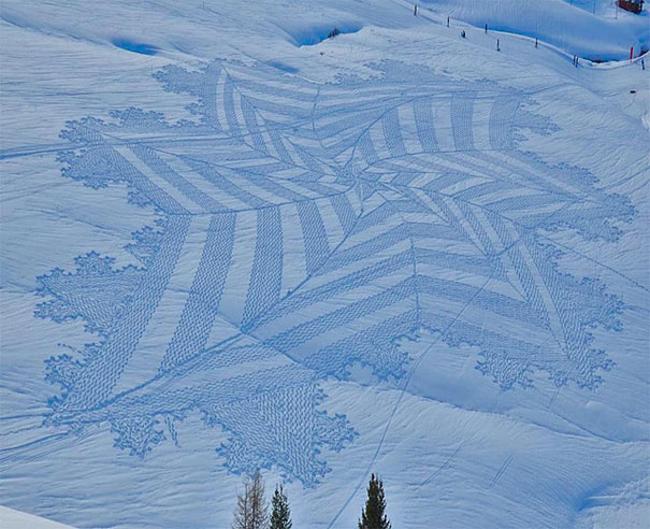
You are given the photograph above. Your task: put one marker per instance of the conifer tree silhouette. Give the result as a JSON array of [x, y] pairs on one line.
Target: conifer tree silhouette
[[281, 514], [373, 515]]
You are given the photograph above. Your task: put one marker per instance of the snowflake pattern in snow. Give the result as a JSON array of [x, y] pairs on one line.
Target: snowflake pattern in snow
[[317, 224]]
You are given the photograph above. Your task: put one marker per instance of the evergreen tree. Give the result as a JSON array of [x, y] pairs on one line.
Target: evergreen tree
[[373, 516], [281, 515], [251, 511]]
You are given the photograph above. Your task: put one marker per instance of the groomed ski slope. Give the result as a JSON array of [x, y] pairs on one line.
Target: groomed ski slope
[[230, 243]]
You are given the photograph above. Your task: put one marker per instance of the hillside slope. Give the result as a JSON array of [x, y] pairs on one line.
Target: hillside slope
[[600, 34], [230, 242]]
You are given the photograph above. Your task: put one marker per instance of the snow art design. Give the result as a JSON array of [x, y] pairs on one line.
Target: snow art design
[[318, 224]]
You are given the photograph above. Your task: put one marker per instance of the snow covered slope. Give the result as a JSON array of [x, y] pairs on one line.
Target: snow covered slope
[[231, 243], [599, 33], [11, 519]]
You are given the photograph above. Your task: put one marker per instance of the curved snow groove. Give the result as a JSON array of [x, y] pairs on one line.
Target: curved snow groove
[[319, 224]]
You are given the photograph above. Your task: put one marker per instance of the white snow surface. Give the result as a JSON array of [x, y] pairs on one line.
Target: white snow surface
[[394, 251], [12, 519], [590, 29]]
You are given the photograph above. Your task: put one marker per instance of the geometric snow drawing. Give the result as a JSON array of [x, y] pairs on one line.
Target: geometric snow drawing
[[305, 228]]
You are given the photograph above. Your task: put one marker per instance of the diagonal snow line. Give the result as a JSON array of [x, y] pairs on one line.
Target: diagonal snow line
[[502, 470], [442, 467]]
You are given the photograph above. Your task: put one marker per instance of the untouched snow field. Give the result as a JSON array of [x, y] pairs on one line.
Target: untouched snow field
[[229, 243]]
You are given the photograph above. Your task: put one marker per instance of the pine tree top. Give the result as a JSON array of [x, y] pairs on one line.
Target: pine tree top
[[281, 514], [373, 515]]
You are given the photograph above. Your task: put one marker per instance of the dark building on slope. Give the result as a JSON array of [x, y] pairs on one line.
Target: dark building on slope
[[635, 6]]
